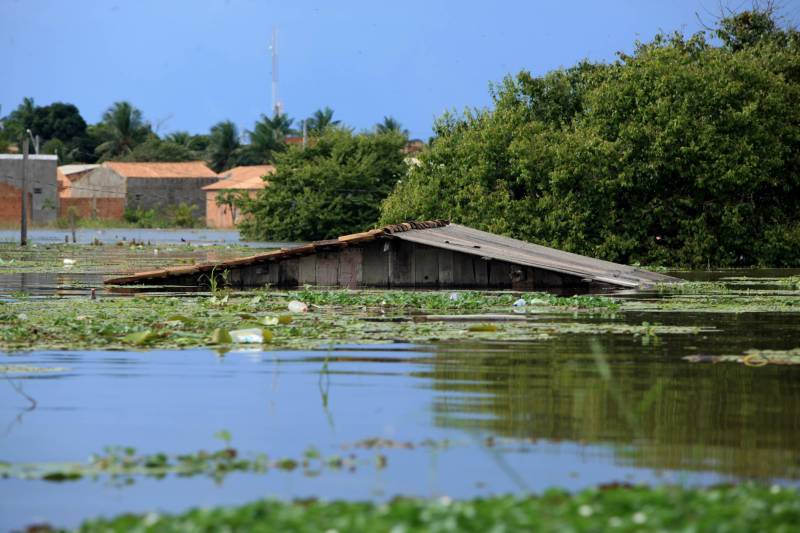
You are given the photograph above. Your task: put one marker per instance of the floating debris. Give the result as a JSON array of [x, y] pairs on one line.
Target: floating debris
[[752, 358]]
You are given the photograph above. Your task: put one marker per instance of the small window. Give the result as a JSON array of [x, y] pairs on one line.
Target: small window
[[37, 190]]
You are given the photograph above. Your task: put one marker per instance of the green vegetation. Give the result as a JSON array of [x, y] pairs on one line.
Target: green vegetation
[[332, 187], [123, 463], [123, 134], [739, 508], [682, 153], [338, 317]]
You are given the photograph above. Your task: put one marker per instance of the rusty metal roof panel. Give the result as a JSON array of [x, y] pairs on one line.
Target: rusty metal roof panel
[[475, 242]]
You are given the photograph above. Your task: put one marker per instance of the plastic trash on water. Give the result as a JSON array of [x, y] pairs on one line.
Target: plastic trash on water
[[453, 296], [519, 303], [297, 307], [69, 263], [247, 336]]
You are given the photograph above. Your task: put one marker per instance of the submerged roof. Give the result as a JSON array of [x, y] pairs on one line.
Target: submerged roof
[[247, 177], [188, 169], [441, 234]]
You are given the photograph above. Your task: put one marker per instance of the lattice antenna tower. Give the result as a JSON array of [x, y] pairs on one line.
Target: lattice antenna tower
[[277, 105]]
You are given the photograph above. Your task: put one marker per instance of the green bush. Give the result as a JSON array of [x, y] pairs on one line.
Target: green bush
[[332, 187], [139, 217], [683, 153]]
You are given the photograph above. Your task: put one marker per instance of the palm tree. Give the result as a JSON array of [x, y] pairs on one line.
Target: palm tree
[[183, 138], [223, 145], [269, 134], [391, 124], [121, 130], [20, 120], [318, 122]]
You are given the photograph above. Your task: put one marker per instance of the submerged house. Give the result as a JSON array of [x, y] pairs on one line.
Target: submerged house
[[163, 186], [91, 191], [41, 186], [432, 254], [242, 180]]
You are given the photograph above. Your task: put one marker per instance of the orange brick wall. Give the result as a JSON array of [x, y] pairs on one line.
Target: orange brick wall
[[9, 203], [219, 216], [106, 208]]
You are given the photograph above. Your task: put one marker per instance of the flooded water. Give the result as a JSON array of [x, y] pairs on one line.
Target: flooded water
[[41, 270], [573, 411], [155, 236]]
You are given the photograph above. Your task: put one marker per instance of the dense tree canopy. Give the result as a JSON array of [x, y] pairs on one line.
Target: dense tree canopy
[[60, 127], [681, 153], [332, 187]]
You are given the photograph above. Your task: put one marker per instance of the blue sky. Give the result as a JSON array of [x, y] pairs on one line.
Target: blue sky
[[190, 63]]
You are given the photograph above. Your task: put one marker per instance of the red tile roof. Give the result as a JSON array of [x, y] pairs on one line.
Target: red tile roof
[[189, 169], [242, 178]]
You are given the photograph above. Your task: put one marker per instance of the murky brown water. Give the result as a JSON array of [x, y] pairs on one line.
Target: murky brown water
[[572, 411]]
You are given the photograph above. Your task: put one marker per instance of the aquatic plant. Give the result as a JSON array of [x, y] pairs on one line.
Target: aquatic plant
[[610, 508]]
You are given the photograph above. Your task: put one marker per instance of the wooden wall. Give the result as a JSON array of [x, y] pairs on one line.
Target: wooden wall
[[396, 263]]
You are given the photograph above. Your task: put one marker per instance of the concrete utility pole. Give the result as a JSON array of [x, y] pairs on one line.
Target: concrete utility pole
[[35, 142], [23, 227]]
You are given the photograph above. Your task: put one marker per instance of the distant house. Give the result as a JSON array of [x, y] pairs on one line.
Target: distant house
[[162, 186], [42, 187], [246, 179], [90, 191]]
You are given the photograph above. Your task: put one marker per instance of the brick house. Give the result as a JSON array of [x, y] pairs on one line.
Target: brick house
[[42, 187], [93, 191], [162, 186], [247, 179]]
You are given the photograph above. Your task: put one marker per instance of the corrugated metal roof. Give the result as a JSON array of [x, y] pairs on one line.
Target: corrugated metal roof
[[188, 169], [475, 242], [248, 178], [76, 169], [442, 234]]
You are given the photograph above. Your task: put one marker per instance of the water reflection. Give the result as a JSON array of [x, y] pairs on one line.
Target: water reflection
[[655, 412]]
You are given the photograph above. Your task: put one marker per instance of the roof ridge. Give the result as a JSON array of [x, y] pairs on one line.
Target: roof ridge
[[410, 225]]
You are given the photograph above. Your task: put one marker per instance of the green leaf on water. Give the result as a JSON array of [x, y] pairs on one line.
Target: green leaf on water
[[179, 318], [221, 336], [140, 337], [483, 327]]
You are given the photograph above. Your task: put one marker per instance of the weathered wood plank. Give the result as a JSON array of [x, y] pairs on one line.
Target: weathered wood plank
[[350, 267], [260, 274], [481, 267], [375, 264], [426, 266], [328, 268], [522, 278], [307, 273], [445, 259], [401, 264], [288, 272], [463, 270], [499, 274]]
